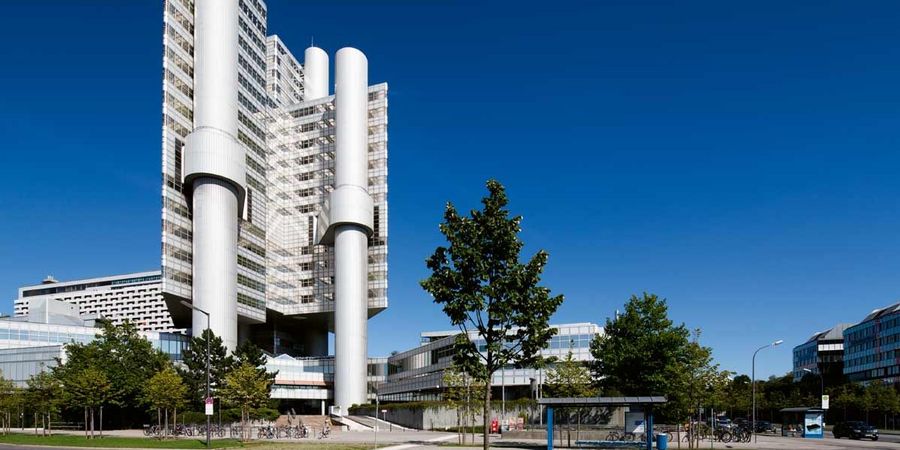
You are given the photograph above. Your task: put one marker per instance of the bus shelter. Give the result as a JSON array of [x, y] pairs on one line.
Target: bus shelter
[[803, 422], [646, 405]]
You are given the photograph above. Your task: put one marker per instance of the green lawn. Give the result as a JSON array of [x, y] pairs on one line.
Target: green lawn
[[68, 440], [113, 441]]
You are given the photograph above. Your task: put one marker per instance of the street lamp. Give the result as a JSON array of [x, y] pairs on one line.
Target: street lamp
[[821, 379], [753, 383], [208, 335]]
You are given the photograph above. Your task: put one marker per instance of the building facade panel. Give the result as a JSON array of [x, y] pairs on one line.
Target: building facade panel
[[872, 347], [135, 297], [417, 374]]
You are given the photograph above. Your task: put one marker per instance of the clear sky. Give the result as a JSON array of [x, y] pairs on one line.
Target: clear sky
[[737, 158]]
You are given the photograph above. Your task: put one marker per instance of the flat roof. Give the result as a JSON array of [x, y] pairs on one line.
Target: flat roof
[[802, 409], [603, 401]]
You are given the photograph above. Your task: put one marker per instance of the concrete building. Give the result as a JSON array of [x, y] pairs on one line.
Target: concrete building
[[822, 353], [274, 191], [132, 296], [417, 374]]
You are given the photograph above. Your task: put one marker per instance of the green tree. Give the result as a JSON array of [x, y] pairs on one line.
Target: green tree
[[846, 398], [570, 378], [45, 396], [461, 392], [90, 389], [881, 397], [245, 387], [695, 382], [486, 291], [194, 370], [126, 358], [641, 351], [165, 392], [738, 395], [248, 353], [10, 401]]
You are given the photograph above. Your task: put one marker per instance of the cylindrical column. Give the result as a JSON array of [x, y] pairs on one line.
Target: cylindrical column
[[215, 258], [215, 65], [214, 168], [351, 96], [350, 316], [351, 239], [315, 74]]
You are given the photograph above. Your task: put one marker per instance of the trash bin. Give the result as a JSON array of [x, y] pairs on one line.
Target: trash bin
[[662, 442]]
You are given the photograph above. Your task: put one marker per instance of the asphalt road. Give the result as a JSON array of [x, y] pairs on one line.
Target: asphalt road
[[893, 438]]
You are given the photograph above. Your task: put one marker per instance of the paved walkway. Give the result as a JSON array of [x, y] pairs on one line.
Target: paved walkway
[[763, 443], [415, 440]]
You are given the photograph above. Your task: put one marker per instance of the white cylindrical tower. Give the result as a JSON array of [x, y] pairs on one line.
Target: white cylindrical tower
[[351, 215], [214, 168], [315, 74]]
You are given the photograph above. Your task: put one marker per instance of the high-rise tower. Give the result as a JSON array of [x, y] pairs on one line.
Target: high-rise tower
[[214, 168], [214, 150], [254, 149]]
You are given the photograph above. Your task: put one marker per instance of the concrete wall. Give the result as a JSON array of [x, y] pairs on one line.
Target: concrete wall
[[442, 417]]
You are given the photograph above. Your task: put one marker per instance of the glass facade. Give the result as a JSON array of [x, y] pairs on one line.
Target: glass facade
[[417, 374], [872, 347], [27, 348]]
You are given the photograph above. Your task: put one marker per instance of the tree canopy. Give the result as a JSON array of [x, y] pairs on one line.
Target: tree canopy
[[246, 388], [570, 378], [125, 358], [194, 370], [641, 351], [496, 300]]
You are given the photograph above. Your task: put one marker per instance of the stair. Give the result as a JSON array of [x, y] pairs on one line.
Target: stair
[[315, 423]]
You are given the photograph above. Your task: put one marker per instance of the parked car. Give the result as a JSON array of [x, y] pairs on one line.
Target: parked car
[[764, 426], [722, 422], [855, 430]]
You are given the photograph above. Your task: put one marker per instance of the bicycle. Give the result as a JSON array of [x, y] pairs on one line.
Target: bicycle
[[267, 432]]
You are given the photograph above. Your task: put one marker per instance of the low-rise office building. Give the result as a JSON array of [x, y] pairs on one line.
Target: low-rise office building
[[417, 374], [35, 342], [872, 347], [822, 353]]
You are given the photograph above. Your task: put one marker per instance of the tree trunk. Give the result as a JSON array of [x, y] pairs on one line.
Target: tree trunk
[[49, 425], [487, 412], [243, 427], [85, 422], [92, 422], [101, 421], [159, 422]]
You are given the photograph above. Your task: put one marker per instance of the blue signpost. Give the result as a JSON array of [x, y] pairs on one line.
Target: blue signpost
[[549, 428]]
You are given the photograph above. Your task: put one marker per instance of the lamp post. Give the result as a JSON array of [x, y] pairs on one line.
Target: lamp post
[[192, 306], [821, 380], [753, 383]]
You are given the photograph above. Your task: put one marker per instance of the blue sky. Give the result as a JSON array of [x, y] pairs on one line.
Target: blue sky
[[737, 158]]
